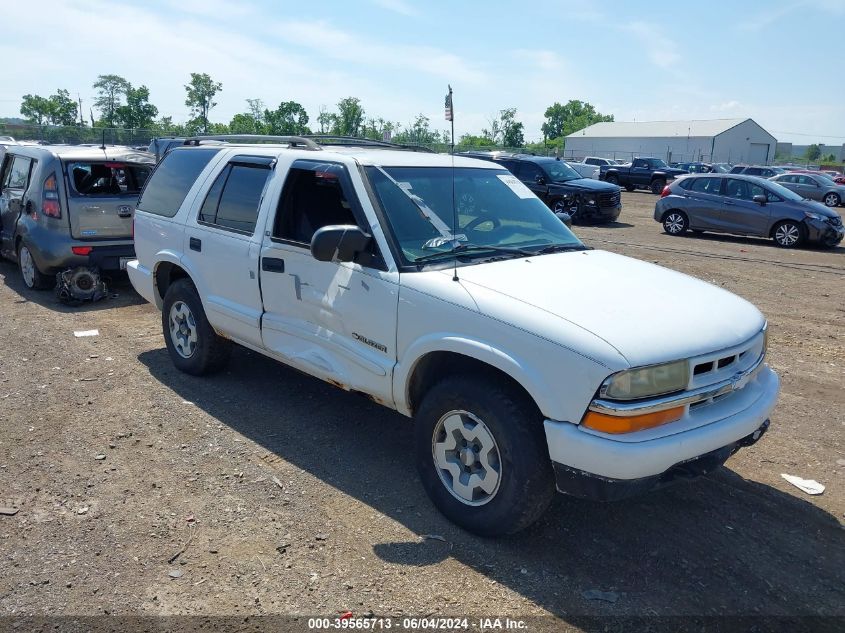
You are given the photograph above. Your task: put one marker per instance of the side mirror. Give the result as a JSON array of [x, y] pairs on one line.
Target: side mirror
[[338, 243], [564, 217], [539, 180], [760, 199]]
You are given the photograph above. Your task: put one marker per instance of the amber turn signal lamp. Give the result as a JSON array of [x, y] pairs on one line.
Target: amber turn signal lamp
[[618, 424]]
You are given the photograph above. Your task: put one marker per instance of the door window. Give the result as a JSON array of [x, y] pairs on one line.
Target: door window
[[18, 174], [233, 200], [528, 172], [737, 189], [807, 180], [787, 179], [706, 185]]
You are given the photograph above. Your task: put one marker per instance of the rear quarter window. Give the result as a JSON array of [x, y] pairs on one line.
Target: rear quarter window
[[166, 189]]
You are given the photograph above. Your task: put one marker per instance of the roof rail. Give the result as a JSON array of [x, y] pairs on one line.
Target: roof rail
[[293, 141], [353, 141]]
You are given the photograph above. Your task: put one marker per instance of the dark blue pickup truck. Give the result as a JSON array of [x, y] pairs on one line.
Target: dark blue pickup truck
[[650, 173]]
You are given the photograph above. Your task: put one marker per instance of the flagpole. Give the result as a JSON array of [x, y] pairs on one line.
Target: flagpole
[[453, 119]]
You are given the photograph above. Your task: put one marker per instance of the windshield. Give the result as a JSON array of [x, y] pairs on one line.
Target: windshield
[[494, 210], [558, 171], [783, 192]]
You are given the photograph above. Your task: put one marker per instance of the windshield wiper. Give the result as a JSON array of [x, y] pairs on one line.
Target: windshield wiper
[[463, 249], [560, 248]]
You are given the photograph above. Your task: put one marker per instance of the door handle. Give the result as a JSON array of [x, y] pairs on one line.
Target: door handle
[[195, 244], [272, 264]]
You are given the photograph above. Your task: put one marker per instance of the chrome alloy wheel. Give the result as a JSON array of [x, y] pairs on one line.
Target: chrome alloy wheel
[[831, 200], [183, 329], [674, 223], [787, 234], [466, 457], [27, 267]]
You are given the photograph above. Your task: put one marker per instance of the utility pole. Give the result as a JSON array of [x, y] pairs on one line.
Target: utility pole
[[81, 119]]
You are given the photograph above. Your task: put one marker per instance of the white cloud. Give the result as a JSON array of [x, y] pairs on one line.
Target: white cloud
[[660, 49], [726, 106], [398, 6]]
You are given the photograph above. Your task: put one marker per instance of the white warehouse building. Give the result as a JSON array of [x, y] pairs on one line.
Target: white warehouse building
[[713, 141]]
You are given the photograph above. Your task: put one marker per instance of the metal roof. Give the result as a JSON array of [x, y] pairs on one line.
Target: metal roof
[[658, 129]]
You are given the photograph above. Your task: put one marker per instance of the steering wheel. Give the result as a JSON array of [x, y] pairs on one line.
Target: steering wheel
[[481, 220]]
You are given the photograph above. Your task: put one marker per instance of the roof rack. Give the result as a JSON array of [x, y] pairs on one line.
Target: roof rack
[[293, 141], [354, 141]]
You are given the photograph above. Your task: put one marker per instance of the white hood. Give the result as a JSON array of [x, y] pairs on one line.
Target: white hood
[[649, 314]]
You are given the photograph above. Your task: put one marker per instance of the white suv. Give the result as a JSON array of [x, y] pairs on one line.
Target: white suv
[[525, 359]]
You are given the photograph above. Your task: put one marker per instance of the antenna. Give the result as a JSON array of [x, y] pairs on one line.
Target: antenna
[[450, 117]]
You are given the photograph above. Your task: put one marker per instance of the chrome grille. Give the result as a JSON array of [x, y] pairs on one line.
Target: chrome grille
[[609, 199]]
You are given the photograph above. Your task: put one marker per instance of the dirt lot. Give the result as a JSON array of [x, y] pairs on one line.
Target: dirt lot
[[287, 496]]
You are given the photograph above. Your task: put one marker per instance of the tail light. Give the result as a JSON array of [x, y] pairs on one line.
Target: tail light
[[50, 198], [666, 191], [82, 250]]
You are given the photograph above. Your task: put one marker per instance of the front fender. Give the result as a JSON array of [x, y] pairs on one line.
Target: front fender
[[565, 401]]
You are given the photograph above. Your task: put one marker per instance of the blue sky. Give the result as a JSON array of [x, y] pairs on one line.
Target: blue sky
[[779, 62]]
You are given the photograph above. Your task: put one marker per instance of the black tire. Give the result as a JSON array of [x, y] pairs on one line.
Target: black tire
[[788, 234], [629, 188], [526, 483], [657, 186], [34, 279], [210, 352], [613, 179], [832, 200], [675, 222]]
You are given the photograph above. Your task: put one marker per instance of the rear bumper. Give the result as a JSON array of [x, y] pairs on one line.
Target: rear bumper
[[141, 279], [52, 252], [589, 486]]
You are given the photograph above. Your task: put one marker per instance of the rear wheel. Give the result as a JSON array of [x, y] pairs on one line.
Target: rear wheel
[[788, 234], [675, 223], [482, 456], [33, 278], [657, 186], [832, 199], [194, 346]]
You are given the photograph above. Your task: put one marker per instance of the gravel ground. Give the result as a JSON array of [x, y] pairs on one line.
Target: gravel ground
[[145, 492]]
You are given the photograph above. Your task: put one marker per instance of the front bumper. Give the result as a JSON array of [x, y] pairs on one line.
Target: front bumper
[[824, 233], [645, 454], [589, 486], [597, 213]]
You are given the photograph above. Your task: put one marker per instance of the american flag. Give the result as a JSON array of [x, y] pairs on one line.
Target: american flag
[[449, 105]]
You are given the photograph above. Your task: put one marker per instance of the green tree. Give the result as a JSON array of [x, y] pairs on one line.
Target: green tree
[[419, 132], [512, 130], [470, 140], [326, 120], [290, 118], [349, 118], [813, 152], [245, 123], [35, 109], [110, 91], [200, 99], [562, 120], [138, 113], [63, 109]]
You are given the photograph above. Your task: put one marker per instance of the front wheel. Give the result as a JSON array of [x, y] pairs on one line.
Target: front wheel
[[482, 456], [33, 278], [613, 179], [194, 346], [629, 188], [788, 234], [832, 200], [675, 223], [560, 207]]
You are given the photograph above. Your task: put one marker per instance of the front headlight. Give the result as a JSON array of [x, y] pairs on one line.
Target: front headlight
[[590, 200], [814, 216], [644, 382]]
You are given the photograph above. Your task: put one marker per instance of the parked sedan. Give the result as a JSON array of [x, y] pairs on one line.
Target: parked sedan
[[746, 205], [814, 187]]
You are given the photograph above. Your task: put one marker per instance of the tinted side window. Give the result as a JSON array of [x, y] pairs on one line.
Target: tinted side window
[[790, 179], [528, 172], [238, 208], [640, 164], [173, 178], [752, 171], [592, 161], [707, 185], [18, 176], [737, 189]]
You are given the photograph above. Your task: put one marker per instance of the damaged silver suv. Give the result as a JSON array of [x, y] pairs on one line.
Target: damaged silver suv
[[68, 209]]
